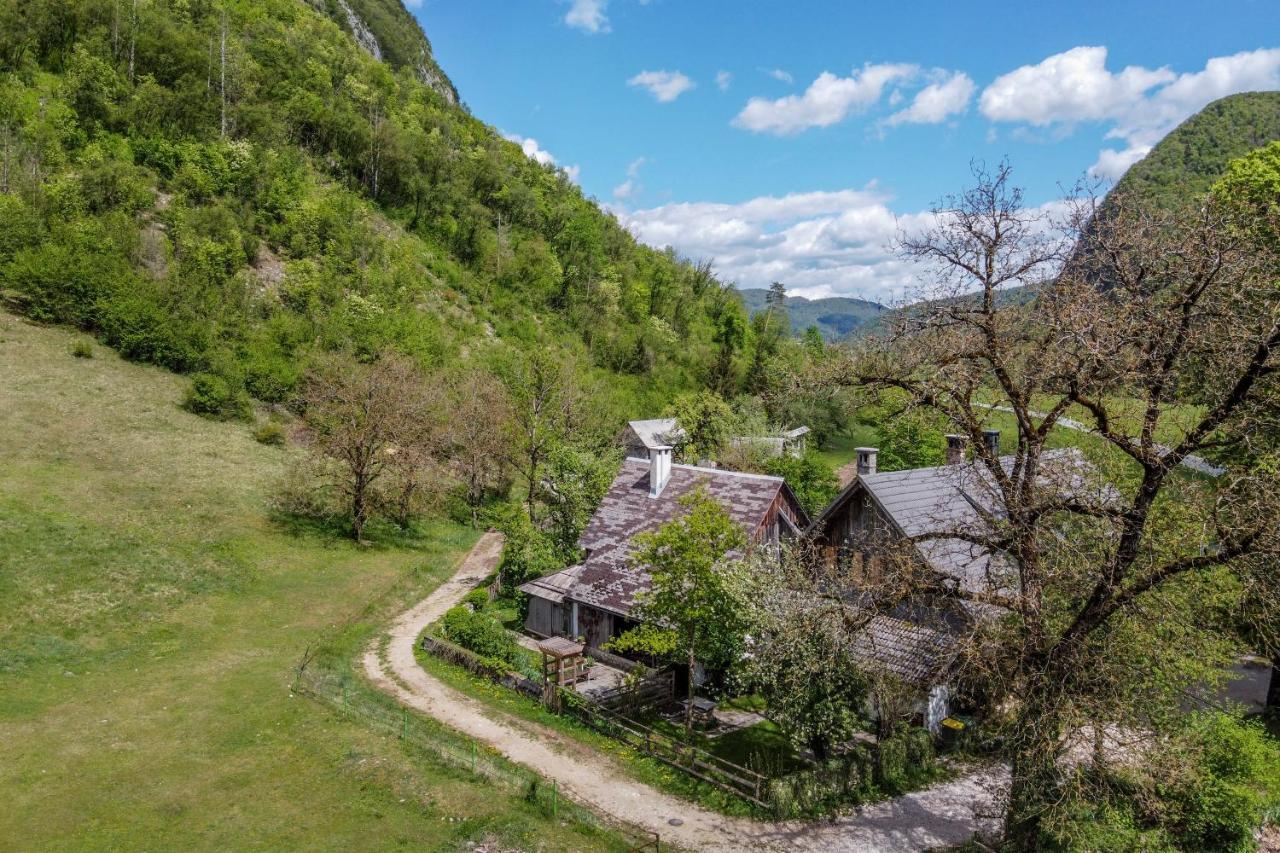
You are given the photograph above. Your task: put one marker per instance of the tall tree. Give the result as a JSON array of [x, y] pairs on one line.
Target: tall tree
[[1176, 356], [476, 434], [546, 410], [361, 416], [695, 592]]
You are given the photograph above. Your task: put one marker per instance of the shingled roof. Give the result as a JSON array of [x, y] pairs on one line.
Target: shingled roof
[[958, 498], [606, 579]]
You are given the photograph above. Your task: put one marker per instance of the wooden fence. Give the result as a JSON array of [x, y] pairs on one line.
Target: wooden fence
[[715, 771], [634, 698], [605, 714]]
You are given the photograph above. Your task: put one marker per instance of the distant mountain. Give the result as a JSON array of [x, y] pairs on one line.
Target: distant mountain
[[836, 316]]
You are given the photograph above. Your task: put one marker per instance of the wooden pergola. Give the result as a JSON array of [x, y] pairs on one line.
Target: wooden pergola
[[562, 665]]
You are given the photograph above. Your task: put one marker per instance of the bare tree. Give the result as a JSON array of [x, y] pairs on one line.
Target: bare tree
[[363, 416], [477, 434], [1162, 333]]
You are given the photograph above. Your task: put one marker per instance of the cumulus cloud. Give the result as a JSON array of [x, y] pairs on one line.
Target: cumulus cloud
[[828, 100], [588, 16], [665, 86], [631, 185], [723, 79], [937, 102], [540, 155], [818, 243], [1141, 104], [827, 243]]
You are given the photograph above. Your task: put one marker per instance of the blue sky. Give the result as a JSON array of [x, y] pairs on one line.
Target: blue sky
[[791, 140]]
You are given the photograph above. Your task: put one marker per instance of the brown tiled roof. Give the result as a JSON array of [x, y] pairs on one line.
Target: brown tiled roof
[[607, 580]]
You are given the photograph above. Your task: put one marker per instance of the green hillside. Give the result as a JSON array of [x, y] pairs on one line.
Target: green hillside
[[1185, 164], [151, 614], [836, 317], [239, 211]]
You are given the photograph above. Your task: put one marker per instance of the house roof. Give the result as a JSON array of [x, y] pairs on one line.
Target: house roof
[[903, 647], [553, 587], [658, 432], [606, 578], [958, 498]]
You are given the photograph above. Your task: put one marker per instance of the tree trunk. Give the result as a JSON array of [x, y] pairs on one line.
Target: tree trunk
[[1273, 688], [1033, 778], [223, 75], [688, 705]]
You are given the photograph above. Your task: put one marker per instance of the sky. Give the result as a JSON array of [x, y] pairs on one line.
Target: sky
[[792, 141]]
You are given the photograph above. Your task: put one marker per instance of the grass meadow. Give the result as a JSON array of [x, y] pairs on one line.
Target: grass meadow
[[151, 615]]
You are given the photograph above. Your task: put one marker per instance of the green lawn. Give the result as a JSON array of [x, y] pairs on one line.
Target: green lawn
[[151, 614], [840, 449]]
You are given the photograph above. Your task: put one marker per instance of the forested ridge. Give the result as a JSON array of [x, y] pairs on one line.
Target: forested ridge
[[231, 188]]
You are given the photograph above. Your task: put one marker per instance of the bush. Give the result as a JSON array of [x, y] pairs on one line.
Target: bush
[[477, 598], [891, 764], [82, 349], [213, 396], [479, 633], [271, 433], [142, 327]]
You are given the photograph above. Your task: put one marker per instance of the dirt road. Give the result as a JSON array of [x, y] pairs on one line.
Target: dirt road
[[940, 815]]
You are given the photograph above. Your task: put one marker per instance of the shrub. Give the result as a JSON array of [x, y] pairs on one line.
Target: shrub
[[477, 598], [891, 763], [479, 633], [270, 432], [213, 396], [142, 327], [82, 349]]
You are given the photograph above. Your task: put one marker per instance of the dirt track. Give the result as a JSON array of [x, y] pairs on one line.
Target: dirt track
[[940, 815]]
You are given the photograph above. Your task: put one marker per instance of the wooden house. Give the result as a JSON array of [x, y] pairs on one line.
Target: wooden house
[[595, 599]]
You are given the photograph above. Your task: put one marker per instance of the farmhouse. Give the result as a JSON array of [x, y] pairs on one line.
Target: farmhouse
[[595, 599], [919, 643]]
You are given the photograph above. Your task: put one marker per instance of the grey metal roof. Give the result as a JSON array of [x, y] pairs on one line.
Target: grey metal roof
[[607, 579], [959, 498], [658, 432]]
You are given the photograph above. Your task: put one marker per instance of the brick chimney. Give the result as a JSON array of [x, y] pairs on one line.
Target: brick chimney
[[867, 460], [955, 449], [659, 469], [991, 438]]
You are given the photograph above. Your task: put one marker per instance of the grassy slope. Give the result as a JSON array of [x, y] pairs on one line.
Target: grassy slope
[[150, 615]]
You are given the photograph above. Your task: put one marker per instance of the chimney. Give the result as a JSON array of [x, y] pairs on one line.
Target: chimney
[[991, 438], [867, 460], [659, 469], [955, 449]]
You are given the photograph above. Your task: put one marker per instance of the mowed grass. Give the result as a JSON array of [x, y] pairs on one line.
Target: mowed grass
[[151, 614]]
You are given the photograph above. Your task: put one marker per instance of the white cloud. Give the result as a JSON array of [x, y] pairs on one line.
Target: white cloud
[[1140, 104], [540, 155], [1068, 87], [779, 74], [588, 16], [828, 100], [631, 185], [723, 79], [818, 243], [827, 243], [937, 102], [665, 86]]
